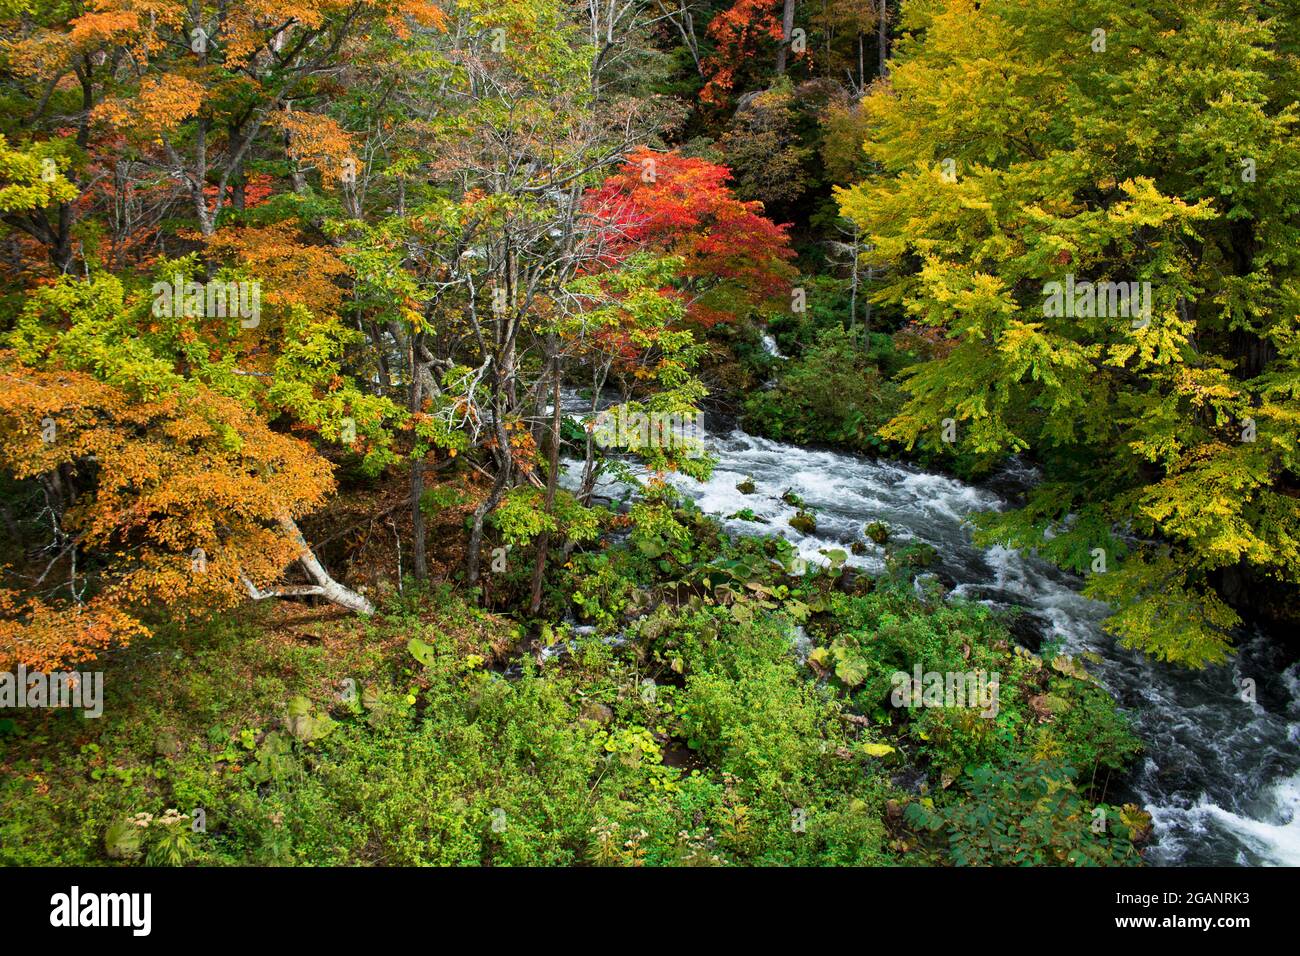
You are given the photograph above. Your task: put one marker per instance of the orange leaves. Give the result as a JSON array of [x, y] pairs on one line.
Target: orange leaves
[[104, 26], [128, 24], [421, 11], [245, 30], [162, 104], [321, 141], [43, 637], [523, 447], [181, 498], [292, 270], [256, 191]]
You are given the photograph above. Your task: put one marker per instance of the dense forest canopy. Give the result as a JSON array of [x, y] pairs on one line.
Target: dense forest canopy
[[298, 300]]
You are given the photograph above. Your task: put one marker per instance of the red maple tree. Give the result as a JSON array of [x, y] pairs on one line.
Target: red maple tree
[[734, 259]]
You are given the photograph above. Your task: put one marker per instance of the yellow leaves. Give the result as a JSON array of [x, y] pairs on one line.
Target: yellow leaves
[[165, 103], [1029, 348], [1146, 206], [112, 113], [1207, 386], [1205, 499], [1119, 353], [971, 304], [1160, 612], [413, 313], [1163, 340]]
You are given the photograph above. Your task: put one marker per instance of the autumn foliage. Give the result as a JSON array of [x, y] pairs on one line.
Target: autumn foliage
[[187, 489], [733, 257], [738, 33]]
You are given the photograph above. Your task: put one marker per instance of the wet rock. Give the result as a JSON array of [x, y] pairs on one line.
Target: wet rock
[[1027, 630], [910, 780], [595, 711], [804, 522]]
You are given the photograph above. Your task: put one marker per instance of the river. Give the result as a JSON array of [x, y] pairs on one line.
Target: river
[[1220, 775]]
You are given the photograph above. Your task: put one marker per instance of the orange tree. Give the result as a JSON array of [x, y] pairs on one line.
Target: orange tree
[[144, 439]]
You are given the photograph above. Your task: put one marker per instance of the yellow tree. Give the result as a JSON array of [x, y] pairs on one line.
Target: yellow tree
[[1097, 204]]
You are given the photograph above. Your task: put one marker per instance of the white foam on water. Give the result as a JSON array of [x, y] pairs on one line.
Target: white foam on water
[[769, 346], [1273, 836]]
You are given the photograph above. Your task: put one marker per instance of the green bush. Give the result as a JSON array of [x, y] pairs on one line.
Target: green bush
[[834, 393], [1029, 814]]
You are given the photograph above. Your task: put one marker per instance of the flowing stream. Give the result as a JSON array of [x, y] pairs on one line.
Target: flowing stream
[[1220, 775]]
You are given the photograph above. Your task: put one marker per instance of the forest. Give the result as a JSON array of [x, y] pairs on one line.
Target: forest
[[649, 432]]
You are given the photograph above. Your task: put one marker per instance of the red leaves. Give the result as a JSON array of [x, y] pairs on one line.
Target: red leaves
[[682, 206], [737, 33]]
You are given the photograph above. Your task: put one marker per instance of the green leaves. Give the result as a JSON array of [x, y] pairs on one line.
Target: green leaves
[[422, 652], [274, 761], [1028, 814], [122, 840], [849, 666], [306, 723]]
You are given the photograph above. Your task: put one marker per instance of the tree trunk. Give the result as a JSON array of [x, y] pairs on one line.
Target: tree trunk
[[325, 586], [787, 27], [882, 37], [474, 552], [552, 479], [419, 562]]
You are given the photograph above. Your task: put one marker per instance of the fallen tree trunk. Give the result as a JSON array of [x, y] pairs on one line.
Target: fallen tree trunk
[[325, 585]]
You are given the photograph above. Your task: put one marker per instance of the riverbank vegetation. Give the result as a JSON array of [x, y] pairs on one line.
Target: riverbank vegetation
[[437, 732], [326, 331]]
